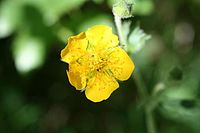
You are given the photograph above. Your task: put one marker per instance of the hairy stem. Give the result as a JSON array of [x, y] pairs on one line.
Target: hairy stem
[[150, 124], [118, 23], [142, 89]]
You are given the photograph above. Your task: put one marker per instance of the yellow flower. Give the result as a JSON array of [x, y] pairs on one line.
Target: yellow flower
[[96, 62]]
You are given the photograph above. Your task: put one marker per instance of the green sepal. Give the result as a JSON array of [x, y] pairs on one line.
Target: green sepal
[[123, 8]]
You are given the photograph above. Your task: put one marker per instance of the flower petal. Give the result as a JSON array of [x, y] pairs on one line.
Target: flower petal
[[76, 75], [120, 64], [75, 48], [100, 37], [100, 87]]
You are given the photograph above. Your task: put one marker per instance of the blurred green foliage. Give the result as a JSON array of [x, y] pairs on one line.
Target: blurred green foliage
[[36, 97]]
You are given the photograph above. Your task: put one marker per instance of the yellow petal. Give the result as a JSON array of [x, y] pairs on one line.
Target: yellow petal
[[120, 64], [76, 75], [75, 48], [100, 37], [100, 87]]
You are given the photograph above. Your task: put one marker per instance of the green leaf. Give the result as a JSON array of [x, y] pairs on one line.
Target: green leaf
[[179, 101], [137, 40]]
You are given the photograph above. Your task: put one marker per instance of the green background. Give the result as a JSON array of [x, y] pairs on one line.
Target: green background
[[35, 94]]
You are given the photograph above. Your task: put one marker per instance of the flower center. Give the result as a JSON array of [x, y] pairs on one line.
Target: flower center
[[97, 62]]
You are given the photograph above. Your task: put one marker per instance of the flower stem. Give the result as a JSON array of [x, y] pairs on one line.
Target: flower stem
[[118, 23], [150, 124], [149, 108], [140, 85], [150, 120]]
